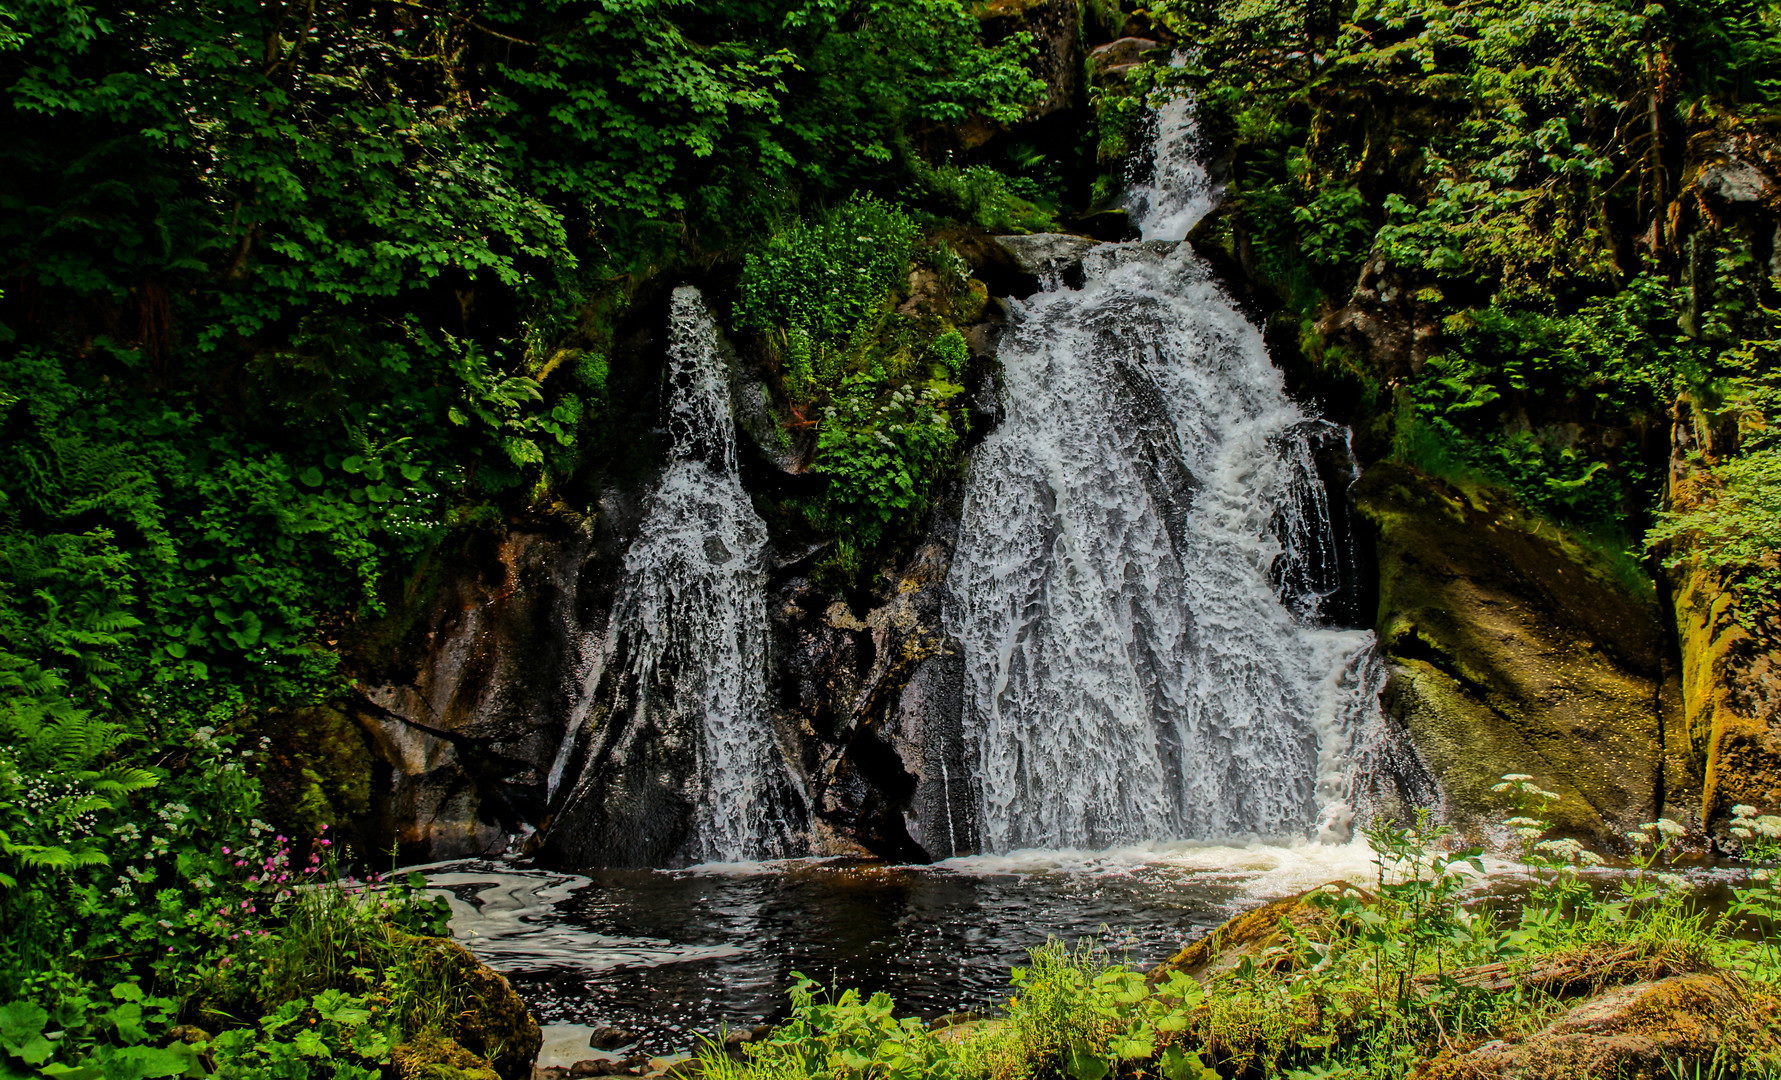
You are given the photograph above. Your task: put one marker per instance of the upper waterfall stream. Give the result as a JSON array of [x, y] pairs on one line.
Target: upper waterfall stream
[[1134, 671]]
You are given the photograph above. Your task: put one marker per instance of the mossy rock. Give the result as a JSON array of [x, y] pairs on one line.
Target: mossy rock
[[1515, 648], [434, 1057], [318, 768], [1257, 935], [487, 1019], [1631, 1032], [1731, 694]]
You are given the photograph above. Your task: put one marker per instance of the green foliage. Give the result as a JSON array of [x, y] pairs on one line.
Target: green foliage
[[1355, 984], [331, 1036], [822, 279], [986, 196], [841, 1035], [84, 1038], [882, 456], [1735, 532]]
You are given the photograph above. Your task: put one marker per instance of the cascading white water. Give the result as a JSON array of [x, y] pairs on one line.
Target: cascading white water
[[691, 617], [1132, 672]]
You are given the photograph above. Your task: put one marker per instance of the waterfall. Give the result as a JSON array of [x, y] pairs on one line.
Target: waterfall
[[1144, 546], [680, 760]]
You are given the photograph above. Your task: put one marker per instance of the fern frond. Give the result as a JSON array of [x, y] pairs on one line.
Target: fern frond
[[123, 780]]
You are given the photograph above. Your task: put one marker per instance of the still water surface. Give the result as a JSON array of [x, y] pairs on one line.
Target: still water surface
[[673, 953]]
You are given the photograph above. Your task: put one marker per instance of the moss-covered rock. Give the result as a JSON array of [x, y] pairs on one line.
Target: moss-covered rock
[[318, 768], [1515, 649], [1629, 1032], [484, 1016], [1256, 935], [435, 1057], [1731, 697]]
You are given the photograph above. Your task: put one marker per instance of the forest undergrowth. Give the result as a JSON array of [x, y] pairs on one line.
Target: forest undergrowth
[[1398, 977]]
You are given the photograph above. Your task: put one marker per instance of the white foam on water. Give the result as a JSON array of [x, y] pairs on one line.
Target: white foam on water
[[510, 921], [1256, 870]]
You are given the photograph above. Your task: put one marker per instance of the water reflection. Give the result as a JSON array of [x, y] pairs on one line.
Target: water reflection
[[671, 953]]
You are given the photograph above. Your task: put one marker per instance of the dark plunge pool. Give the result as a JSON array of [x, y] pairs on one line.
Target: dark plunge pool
[[670, 954]]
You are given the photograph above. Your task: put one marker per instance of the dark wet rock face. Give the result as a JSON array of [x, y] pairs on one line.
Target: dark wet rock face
[[874, 701], [469, 706]]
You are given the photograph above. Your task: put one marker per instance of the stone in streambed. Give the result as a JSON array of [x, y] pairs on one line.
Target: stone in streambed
[[611, 1037], [1255, 935]]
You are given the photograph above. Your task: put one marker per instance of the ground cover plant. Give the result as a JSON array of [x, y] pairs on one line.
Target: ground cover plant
[[1386, 979]]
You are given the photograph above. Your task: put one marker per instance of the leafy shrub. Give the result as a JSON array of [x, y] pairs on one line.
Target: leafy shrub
[[952, 351], [825, 277], [331, 1036], [882, 457], [86, 1039]]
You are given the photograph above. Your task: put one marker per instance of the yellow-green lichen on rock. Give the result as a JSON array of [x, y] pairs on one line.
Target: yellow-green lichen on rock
[[1513, 649], [435, 1057], [1731, 697], [1258, 936]]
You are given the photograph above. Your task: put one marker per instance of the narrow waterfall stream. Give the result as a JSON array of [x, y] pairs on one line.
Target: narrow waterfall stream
[[1144, 540], [679, 759]]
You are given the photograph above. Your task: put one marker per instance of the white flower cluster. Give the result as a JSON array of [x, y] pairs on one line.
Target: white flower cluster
[[1747, 824], [1524, 782], [1660, 831], [1526, 827], [1569, 851]]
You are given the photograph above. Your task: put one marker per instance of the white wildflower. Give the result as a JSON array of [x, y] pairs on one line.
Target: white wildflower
[[1668, 827], [1743, 810], [1516, 776], [1769, 826], [1560, 849]]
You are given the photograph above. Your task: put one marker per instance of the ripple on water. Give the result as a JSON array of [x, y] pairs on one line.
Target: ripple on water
[[672, 953]]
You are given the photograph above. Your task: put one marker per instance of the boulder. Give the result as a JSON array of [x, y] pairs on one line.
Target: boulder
[[1642, 1030], [1513, 649], [493, 1022], [1115, 58], [1046, 255], [1732, 177], [1257, 936]]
